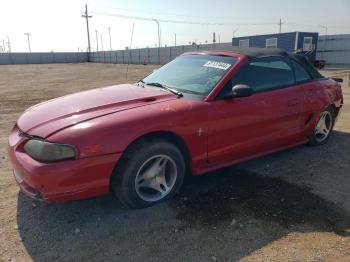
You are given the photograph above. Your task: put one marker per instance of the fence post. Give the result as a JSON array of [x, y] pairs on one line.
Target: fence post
[[139, 56], [148, 56]]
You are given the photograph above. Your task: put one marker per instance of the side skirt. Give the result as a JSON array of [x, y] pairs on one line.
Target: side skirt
[[209, 168]]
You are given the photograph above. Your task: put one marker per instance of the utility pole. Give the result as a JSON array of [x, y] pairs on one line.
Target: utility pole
[[326, 30], [157, 22], [3, 46], [8, 44], [175, 39], [234, 32], [101, 43], [28, 34], [96, 40], [158, 26], [132, 35], [280, 26], [87, 16], [110, 39], [214, 39], [325, 39]]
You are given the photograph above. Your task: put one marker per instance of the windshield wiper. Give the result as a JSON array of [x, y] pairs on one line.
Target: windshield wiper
[[165, 87]]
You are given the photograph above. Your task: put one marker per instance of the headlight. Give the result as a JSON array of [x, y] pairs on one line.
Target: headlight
[[49, 152]]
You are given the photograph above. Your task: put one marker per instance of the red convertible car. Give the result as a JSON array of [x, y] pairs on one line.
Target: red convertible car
[[198, 113]]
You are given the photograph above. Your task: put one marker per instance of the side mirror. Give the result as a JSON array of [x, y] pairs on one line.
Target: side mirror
[[237, 91], [241, 91]]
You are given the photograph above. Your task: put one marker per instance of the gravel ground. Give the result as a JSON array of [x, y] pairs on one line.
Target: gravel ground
[[290, 206]]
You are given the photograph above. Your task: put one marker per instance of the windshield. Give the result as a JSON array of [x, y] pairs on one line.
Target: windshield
[[196, 74]]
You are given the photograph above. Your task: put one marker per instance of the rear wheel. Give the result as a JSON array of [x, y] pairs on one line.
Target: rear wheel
[[323, 128], [150, 172]]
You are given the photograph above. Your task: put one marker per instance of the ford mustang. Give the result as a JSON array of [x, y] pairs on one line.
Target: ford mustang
[[200, 112]]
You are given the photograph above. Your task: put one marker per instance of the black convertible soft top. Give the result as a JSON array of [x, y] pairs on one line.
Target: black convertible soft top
[[257, 52], [302, 59], [252, 53]]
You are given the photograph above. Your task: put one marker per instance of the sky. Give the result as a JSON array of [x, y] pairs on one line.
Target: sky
[[57, 25]]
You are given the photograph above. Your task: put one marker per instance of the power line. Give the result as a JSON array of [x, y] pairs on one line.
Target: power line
[[308, 25], [202, 23], [162, 13], [154, 13], [177, 21], [205, 17]]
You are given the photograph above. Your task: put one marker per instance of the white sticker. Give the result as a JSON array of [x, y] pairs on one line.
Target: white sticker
[[219, 65]]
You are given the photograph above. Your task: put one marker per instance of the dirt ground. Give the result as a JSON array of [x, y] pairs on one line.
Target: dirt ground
[[290, 206]]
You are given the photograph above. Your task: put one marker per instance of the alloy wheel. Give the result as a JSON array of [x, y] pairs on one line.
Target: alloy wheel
[[323, 126], [156, 178]]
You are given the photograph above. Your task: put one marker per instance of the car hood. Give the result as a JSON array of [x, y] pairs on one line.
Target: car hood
[[51, 116]]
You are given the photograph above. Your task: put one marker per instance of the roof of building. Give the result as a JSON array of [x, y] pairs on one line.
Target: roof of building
[[275, 34]]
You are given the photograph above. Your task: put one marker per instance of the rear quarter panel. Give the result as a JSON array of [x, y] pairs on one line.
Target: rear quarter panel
[[318, 95]]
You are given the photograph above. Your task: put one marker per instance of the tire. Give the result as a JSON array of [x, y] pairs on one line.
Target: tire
[[150, 172], [323, 128]]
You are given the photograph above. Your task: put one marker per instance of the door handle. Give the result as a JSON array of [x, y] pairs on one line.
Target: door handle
[[292, 102]]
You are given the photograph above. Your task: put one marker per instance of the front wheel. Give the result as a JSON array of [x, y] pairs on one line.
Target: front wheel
[[323, 128], [149, 173]]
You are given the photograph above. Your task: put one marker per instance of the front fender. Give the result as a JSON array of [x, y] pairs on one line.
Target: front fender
[[114, 133]]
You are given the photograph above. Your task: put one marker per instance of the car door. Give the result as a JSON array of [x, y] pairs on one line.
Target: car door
[[310, 90], [240, 128]]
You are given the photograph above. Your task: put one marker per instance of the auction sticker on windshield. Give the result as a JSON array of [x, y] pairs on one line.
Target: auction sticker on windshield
[[219, 65]]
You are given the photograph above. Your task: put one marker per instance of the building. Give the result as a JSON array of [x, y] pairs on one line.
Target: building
[[290, 42], [335, 50]]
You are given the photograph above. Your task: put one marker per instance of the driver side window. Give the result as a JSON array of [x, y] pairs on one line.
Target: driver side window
[[264, 74]]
